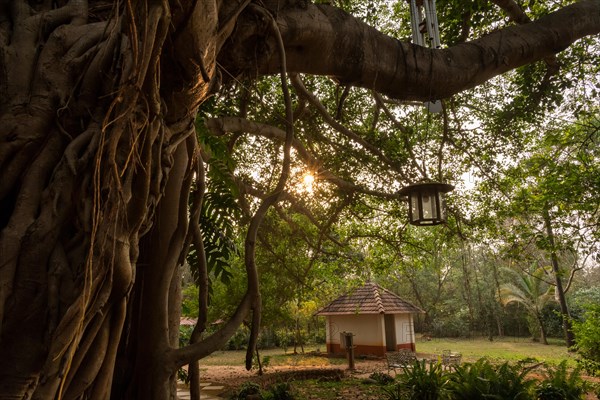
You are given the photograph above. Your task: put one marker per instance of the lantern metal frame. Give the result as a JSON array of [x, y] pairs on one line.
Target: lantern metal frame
[[418, 195]]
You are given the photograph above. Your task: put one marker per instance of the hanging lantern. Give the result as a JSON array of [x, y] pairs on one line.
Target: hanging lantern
[[426, 205]]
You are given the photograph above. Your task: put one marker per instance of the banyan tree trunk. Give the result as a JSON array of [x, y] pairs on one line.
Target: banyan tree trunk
[[97, 155]]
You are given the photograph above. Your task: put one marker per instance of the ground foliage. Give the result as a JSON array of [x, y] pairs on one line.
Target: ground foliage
[[482, 379]]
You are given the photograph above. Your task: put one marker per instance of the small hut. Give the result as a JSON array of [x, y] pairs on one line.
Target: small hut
[[377, 319]]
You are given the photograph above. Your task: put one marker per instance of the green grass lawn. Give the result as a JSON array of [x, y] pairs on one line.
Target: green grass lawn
[[505, 349]]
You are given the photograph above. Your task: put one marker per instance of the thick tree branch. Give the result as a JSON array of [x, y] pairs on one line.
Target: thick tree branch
[[203, 348], [251, 300], [516, 13], [195, 237], [323, 40]]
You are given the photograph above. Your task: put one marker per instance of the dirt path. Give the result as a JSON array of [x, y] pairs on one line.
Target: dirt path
[[234, 376]]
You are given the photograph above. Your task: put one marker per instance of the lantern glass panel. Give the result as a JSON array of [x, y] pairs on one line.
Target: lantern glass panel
[[429, 205], [443, 214], [414, 206]]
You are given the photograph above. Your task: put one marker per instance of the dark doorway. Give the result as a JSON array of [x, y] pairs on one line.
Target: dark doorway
[[390, 332]]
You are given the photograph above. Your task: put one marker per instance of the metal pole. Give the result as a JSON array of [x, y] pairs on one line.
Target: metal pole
[[415, 20], [435, 25], [350, 350], [428, 20]]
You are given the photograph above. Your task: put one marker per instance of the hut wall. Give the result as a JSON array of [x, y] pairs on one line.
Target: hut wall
[[405, 332], [368, 330]]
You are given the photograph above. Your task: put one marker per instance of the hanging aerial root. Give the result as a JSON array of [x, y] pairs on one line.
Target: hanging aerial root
[[82, 374], [103, 382], [250, 242]]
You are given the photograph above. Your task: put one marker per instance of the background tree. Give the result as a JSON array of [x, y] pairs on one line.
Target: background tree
[[532, 292], [550, 208]]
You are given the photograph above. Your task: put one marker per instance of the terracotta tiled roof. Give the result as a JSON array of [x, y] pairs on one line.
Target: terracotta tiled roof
[[186, 321], [369, 299]]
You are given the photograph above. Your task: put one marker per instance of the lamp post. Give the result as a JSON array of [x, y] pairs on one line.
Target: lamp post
[[426, 205]]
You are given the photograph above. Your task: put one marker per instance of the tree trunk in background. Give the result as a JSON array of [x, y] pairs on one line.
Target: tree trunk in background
[[560, 293], [540, 322], [497, 315], [468, 295]]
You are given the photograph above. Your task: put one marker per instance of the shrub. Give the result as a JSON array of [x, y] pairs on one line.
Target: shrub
[[455, 325], [279, 391], [559, 383], [248, 389], [381, 378], [320, 337], [184, 338], [265, 361], [183, 376], [185, 332], [239, 341], [423, 382], [596, 389], [397, 392], [547, 391], [482, 379], [591, 367], [553, 321], [587, 333]]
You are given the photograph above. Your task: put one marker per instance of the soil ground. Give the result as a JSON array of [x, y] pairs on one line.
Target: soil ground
[[228, 375], [232, 377]]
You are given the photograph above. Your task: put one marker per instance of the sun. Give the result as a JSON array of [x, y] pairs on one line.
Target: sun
[[308, 181]]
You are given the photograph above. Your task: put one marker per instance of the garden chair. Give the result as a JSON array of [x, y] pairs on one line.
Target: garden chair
[[400, 360], [450, 360]]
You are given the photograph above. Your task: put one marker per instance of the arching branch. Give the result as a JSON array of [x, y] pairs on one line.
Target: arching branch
[[296, 206], [235, 124], [355, 137]]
